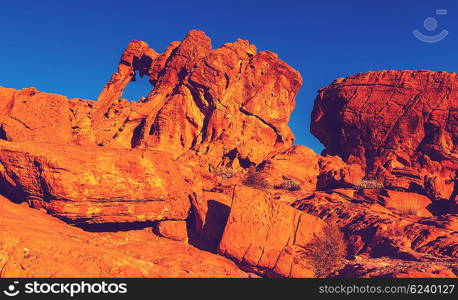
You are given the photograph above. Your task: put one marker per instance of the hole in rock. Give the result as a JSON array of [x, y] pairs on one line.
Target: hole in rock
[[136, 89]]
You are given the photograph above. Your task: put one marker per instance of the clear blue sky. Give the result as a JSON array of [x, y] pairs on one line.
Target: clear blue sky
[[72, 47]]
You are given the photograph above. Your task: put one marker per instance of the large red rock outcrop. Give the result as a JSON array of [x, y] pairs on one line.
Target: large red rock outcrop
[[227, 104], [93, 184], [29, 115], [402, 126], [266, 235], [207, 158], [34, 244], [377, 227], [227, 100]]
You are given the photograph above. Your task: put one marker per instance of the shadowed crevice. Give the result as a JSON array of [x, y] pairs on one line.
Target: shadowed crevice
[[213, 229], [114, 227]]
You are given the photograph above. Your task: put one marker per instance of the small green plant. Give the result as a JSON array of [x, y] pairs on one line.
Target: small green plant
[[223, 172], [325, 252], [288, 184], [408, 207], [255, 179], [408, 212], [370, 183]]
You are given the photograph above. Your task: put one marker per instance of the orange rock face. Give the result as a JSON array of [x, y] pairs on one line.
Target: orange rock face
[[174, 230], [210, 212], [263, 234], [29, 115], [216, 103], [376, 228], [34, 244], [400, 125], [95, 185], [227, 106], [206, 160], [293, 169]]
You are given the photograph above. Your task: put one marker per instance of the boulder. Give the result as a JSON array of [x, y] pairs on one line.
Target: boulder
[[335, 173], [30, 115], [34, 244], [210, 212], [293, 169], [267, 235], [399, 125], [93, 184], [174, 230]]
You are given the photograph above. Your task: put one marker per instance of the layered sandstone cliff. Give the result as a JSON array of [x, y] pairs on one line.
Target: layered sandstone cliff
[[401, 126], [207, 160]]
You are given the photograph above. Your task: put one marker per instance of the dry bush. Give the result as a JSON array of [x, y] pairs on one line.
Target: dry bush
[[409, 207], [325, 252], [289, 184], [224, 172], [255, 179], [370, 183], [408, 212]]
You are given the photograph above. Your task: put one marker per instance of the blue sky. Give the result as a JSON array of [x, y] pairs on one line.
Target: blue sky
[[72, 47]]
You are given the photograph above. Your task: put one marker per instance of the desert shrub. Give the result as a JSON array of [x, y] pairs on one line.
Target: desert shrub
[[288, 184], [408, 212], [370, 183], [409, 207], [325, 252], [224, 172], [255, 179]]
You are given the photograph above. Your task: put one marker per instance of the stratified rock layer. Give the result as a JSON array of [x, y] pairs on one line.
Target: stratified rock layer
[[33, 244], [267, 235], [29, 115], [227, 104], [93, 184], [402, 126], [207, 158]]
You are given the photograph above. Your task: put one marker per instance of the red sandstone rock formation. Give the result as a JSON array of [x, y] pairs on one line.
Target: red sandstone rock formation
[[207, 159], [33, 244], [267, 235], [378, 228], [400, 125], [29, 115], [203, 101], [95, 185]]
